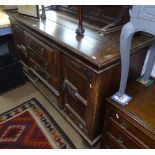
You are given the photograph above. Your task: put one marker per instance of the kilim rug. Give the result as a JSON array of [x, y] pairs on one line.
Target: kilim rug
[[29, 126]]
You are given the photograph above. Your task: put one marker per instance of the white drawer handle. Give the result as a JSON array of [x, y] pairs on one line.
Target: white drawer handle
[[117, 116], [120, 140]]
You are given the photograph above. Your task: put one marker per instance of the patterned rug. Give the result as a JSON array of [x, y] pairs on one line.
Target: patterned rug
[[29, 126]]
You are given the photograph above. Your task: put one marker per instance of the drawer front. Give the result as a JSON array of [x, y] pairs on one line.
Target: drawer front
[[44, 63], [78, 122], [73, 99], [77, 79], [132, 128], [76, 86], [42, 49], [78, 108], [79, 76], [44, 74], [38, 69], [112, 143], [123, 138]]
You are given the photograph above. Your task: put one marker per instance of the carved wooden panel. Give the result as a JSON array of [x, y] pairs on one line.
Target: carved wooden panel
[[76, 88]]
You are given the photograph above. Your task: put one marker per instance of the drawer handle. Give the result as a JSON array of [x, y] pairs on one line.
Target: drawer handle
[[124, 125], [42, 51], [35, 80], [120, 140], [80, 126], [117, 116], [23, 50], [66, 86], [18, 46], [48, 77], [23, 47]]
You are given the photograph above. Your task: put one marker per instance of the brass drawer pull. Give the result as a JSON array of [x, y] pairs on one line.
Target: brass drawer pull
[[120, 140], [124, 125]]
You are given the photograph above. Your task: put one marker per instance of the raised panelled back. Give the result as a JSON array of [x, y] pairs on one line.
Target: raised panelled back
[[76, 89], [77, 78]]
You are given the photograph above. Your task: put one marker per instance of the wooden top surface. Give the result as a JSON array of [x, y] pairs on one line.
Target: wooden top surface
[[143, 103], [98, 50]]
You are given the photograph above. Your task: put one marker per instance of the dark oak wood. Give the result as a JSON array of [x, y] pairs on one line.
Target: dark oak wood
[[79, 71], [93, 48], [135, 120]]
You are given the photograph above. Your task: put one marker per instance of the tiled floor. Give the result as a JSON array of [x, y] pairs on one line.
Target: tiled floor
[[23, 93]]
